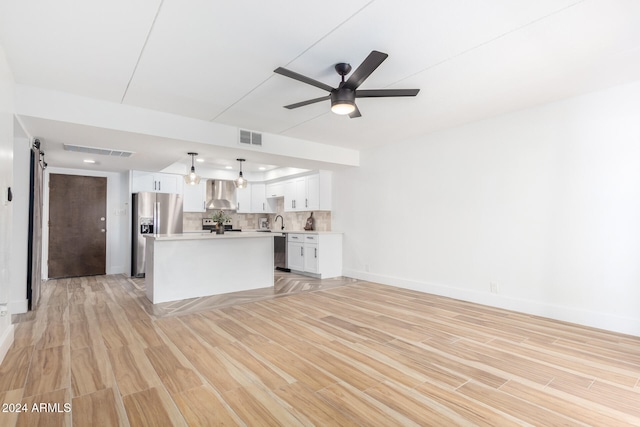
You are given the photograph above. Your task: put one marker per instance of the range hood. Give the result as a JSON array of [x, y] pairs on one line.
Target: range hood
[[221, 195]]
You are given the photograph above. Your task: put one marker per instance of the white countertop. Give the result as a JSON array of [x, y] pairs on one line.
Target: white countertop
[[308, 232], [254, 231], [276, 231], [208, 236]]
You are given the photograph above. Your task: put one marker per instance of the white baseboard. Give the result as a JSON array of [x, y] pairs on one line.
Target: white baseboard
[[600, 320], [117, 269], [5, 341], [17, 307]]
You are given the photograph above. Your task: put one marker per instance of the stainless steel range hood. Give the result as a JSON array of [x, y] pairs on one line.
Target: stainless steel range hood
[[221, 195]]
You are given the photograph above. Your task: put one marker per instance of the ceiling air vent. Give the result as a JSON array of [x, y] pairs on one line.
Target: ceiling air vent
[[250, 138], [100, 151]]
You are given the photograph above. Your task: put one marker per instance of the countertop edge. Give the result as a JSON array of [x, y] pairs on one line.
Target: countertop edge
[[207, 236], [272, 232]]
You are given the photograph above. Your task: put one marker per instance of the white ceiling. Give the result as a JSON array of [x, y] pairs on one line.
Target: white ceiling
[[214, 61]]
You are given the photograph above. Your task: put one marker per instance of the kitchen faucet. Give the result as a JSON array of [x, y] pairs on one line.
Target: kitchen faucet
[[276, 219]]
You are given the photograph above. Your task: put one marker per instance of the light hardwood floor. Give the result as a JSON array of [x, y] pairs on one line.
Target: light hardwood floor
[[349, 353]]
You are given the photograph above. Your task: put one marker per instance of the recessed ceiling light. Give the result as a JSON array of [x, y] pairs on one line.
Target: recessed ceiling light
[[261, 168], [199, 160], [228, 167], [89, 161]]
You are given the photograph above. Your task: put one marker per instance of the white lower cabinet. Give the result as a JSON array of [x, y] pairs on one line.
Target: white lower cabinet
[[315, 254], [295, 254], [311, 258]]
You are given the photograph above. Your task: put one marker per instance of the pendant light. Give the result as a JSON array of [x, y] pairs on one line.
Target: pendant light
[[192, 178], [240, 182]]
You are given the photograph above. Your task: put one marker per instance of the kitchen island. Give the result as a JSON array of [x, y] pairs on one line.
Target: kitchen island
[[190, 265]]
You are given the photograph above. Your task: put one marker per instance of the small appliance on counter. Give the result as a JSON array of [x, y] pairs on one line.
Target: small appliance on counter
[[210, 225]]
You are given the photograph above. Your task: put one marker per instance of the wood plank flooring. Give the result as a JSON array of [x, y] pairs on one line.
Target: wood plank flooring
[[327, 353]]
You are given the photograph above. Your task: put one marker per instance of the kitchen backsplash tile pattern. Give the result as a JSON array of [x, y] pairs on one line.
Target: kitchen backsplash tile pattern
[[192, 221]]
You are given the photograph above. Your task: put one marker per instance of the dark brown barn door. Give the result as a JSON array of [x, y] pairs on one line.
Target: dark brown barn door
[[77, 225]]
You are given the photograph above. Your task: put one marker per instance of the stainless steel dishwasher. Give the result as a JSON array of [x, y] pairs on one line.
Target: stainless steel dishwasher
[[280, 252]]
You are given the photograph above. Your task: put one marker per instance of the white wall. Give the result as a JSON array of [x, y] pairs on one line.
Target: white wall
[[545, 202], [118, 213], [6, 208]]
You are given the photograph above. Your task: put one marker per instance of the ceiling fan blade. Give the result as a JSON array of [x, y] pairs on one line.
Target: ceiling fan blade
[[367, 67], [355, 113], [307, 102], [380, 93], [303, 79]]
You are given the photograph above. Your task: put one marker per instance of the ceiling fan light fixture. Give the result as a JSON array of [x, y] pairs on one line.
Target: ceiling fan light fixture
[[343, 101], [343, 97], [343, 108], [192, 178], [240, 182]]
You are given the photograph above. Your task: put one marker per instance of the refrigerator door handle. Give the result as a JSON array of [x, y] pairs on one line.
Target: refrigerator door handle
[[156, 218]]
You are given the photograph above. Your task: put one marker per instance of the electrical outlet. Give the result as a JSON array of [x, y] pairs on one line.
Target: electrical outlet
[[493, 286]]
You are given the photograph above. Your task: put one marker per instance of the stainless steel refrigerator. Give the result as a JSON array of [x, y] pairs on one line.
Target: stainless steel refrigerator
[[152, 213]]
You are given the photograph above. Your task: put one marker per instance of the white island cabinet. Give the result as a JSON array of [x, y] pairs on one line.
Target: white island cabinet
[[183, 266]]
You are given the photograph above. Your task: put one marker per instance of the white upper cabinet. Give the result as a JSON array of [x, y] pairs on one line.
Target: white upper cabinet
[[156, 182], [275, 189], [259, 201], [308, 193], [194, 199], [243, 196], [295, 193]]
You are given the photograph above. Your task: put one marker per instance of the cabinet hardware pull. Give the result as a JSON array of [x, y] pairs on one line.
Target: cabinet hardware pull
[[301, 251], [306, 203], [316, 252]]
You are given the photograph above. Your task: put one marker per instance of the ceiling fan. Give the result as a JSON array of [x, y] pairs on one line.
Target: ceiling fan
[[343, 97]]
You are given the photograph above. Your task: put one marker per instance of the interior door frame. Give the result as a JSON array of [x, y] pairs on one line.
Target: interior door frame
[[45, 214]]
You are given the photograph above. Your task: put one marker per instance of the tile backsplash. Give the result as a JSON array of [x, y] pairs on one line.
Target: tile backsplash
[[192, 221]]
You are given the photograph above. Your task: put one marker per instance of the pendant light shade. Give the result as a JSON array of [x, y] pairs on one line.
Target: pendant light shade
[[240, 181], [192, 178]]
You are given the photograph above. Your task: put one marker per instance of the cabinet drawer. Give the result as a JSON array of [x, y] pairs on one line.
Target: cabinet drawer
[[310, 238], [295, 237]]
